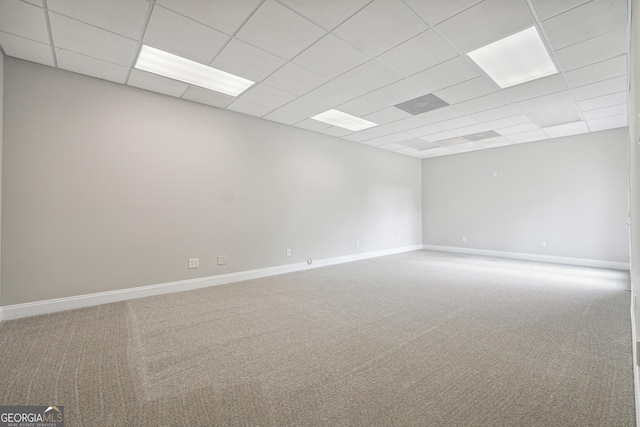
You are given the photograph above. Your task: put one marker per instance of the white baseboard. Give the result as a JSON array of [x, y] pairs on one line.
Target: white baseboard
[[584, 262], [60, 304]]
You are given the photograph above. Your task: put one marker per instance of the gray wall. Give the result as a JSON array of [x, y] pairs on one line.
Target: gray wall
[[109, 187], [570, 192]]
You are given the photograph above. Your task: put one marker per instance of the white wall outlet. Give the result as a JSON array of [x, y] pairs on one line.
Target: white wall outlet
[[398, 238], [222, 260], [543, 244], [463, 238], [357, 243], [497, 174], [288, 252], [194, 262]]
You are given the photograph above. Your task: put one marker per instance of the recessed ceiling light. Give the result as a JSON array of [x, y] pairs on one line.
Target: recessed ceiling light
[[175, 67], [516, 59], [344, 120]]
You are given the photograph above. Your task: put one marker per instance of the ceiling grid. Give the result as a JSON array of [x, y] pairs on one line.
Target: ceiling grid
[[361, 57]]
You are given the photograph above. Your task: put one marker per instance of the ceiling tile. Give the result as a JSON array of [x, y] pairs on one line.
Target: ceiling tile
[[124, 17], [451, 141], [567, 129], [181, 36], [326, 13], [280, 31], [389, 95], [470, 89], [499, 141], [295, 79], [250, 108], [313, 125], [29, 50], [447, 74], [284, 117], [334, 93], [156, 83], [85, 39], [439, 115], [614, 110], [535, 88], [497, 113], [605, 126], [82, 64], [419, 144], [512, 130], [35, 2], [331, 57], [604, 87], [423, 131], [436, 11], [267, 96], [396, 137], [468, 146], [434, 152], [386, 115], [470, 130], [336, 131], [483, 103], [551, 110], [485, 23], [508, 121], [208, 97], [597, 49], [303, 108], [23, 20], [534, 135], [612, 120], [457, 122], [391, 147], [359, 107], [246, 61], [548, 8], [603, 101], [441, 136], [586, 21], [418, 53], [368, 77], [380, 26], [371, 133], [604, 70], [224, 15]]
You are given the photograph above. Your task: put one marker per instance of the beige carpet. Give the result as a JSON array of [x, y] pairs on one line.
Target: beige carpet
[[416, 339]]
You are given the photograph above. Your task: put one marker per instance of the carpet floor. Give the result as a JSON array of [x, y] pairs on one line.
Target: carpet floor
[[415, 339]]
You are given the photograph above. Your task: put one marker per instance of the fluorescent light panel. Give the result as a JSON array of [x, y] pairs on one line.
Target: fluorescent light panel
[[516, 59], [344, 120], [175, 67]]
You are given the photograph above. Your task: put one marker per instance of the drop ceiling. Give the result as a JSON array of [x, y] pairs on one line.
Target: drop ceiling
[[362, 57]]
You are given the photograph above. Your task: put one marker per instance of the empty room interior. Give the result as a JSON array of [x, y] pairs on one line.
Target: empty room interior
[[320, 213]]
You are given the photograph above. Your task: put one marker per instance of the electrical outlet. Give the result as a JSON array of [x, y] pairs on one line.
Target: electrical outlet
[[398, 238], [222, 260], [543, 244], [194, 262], [357, 243], [288, 252], [464, 238]]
